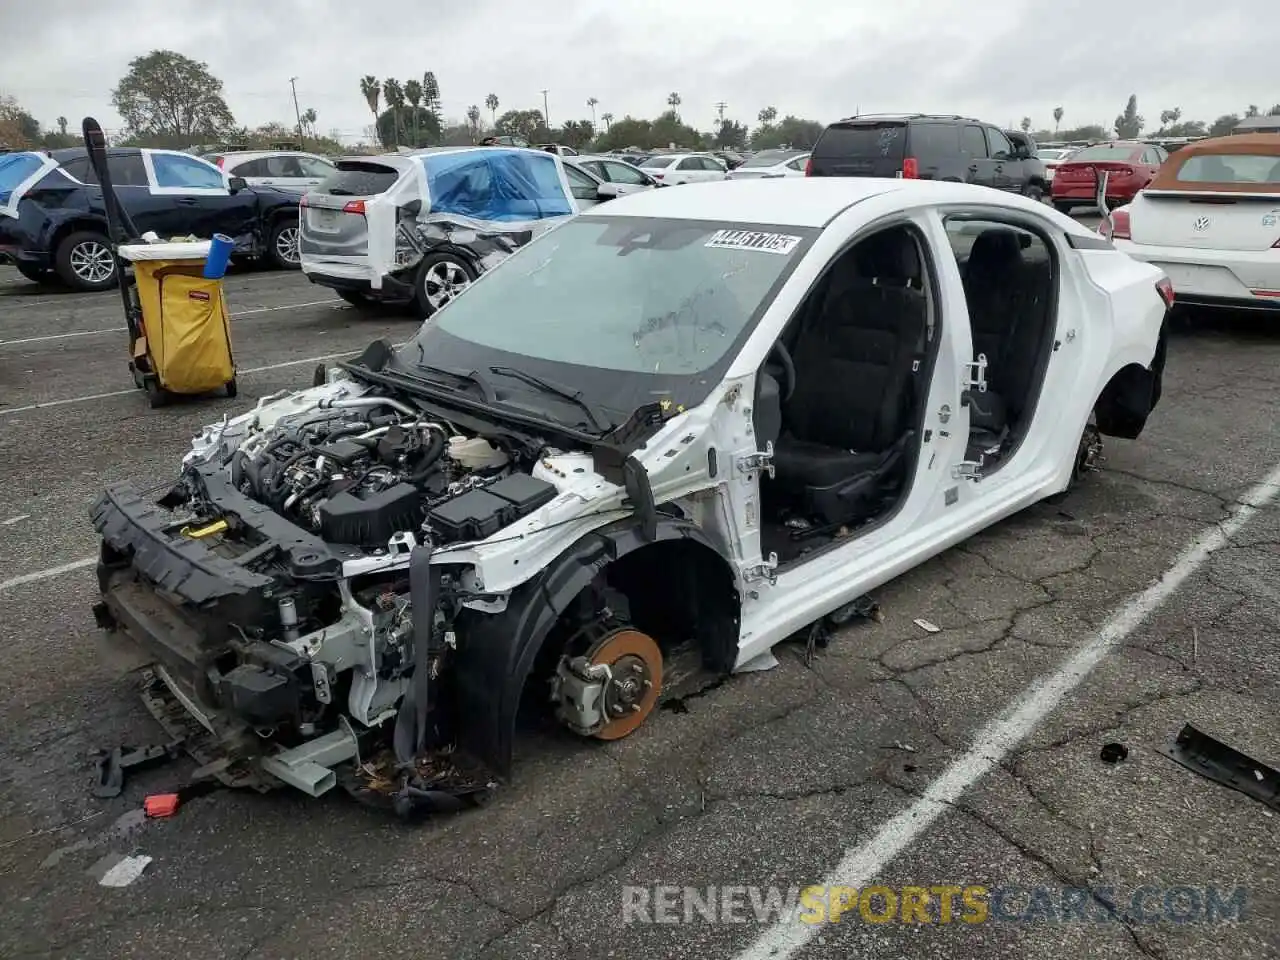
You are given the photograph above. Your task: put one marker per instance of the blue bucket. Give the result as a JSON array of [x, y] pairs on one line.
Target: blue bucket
[[215, 267]]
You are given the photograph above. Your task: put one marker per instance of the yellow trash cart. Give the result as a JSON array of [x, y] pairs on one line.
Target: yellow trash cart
[[180, 328]]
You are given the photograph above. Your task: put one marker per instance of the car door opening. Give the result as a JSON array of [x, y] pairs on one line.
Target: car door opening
[[1010, 285], [843, 397]]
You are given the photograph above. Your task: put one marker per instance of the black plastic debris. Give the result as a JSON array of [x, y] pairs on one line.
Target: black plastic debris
[[1214, 760], [1114, 752], [111, 765]]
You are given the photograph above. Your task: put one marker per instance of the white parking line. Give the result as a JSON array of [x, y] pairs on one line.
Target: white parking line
[[861, 864], [121, 393], [46, 574], [234, 316]]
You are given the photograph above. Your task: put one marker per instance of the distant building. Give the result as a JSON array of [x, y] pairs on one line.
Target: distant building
[[1258, 125]]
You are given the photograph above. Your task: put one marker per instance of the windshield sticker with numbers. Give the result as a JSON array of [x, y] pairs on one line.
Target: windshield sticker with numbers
[[753, 240]]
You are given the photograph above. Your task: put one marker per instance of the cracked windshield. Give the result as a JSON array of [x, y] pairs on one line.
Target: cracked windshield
[[665, 297]]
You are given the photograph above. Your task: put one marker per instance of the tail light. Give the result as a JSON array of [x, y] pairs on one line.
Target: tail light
[[808, 167], [1164, 286], [659, 176], [910, 169], [355, 206], [1117, 228], [221, 161]]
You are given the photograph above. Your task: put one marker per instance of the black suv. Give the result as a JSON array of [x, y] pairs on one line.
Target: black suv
[[930, 147]]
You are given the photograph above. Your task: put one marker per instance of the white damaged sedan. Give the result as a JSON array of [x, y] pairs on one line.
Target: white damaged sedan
[[652, 444]]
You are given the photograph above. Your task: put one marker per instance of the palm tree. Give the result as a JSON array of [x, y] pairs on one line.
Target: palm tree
[[1057, 118], [413, 94], [674, 101], [473, 118], [608, 120], [62, 126], [491, 101], [372, 91], [591, 102], [768, 115], [309, 120], [394, 95], [1025, 124]]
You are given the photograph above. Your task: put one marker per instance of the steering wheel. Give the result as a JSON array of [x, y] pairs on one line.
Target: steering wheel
[[783, 355]]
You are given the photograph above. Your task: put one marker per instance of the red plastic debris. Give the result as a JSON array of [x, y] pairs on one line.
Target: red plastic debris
[[161, 805]]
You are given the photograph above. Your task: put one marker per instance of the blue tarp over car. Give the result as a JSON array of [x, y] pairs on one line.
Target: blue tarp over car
[[496, 185]]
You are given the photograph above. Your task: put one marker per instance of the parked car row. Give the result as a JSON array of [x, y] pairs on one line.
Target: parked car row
[[53, 223]]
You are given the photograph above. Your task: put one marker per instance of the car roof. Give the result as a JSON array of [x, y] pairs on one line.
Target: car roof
[[809, 201]]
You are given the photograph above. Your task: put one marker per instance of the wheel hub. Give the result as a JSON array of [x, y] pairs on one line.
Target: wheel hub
[[611, 690]]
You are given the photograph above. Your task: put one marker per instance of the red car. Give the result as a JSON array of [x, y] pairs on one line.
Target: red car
[[1130, 166]]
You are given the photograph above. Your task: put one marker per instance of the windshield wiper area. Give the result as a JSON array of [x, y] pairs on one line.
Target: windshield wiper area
[[598, 421]]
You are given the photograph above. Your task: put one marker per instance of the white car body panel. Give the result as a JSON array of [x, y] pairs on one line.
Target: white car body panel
[[1220, 251], [792, 166], [672, 174], [236, 164]]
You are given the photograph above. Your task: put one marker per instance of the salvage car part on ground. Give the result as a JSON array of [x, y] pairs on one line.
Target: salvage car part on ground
[[1214, 760], [582, 478]]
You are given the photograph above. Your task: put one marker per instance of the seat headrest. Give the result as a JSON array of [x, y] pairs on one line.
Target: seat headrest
[[889, 257], [995, 249]]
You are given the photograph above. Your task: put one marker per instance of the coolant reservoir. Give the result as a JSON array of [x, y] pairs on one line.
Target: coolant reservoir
[[476, 453]]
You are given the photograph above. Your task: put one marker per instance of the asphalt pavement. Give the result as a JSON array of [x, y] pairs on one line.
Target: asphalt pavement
[[896, 756]]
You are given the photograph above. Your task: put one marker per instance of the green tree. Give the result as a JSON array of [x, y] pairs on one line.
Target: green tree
[[591, 102], [674, 101], [522, 123], [577, 134], [767, 115], [668, 128], [1169, 117], [1252, 110], [1057, 118], [1224, 125], [1025, 124], [731, 135], [431, 95], [16, 125], [1129, 124], [473, 119], [393, 93], [1274, 111], [491, 101], [372, 92], [309, 118], [413, 97], [172, 98], [608, 119], [391, 121], [627, 132], [791, 131], [62, 126]]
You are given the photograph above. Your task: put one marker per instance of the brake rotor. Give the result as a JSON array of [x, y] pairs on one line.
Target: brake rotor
[[636, 664]]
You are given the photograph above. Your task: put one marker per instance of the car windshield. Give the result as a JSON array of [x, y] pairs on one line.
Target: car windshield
[[653, 163], [1231, 168], [14, 169], [627, 310]]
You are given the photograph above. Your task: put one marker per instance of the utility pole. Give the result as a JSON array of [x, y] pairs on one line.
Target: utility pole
[[546, 112], [721, 106], [293, 85]]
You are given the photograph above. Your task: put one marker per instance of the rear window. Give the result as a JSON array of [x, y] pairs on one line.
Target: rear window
[[657, 163], [14, 169], [769, 158], [359, 178], [1231, 168], [1104, 152], [864, 140]]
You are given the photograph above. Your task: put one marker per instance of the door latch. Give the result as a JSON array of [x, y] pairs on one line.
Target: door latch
[[967, 470]]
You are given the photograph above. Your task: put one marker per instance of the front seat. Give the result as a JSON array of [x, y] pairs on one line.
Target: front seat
[[844, 427]]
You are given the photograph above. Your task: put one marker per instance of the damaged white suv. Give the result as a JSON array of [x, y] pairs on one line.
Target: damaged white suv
[[652, 444]]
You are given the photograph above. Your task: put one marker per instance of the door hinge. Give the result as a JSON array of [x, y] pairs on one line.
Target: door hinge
[[974, 375], [760, 460], [762, 571], [967, 470]]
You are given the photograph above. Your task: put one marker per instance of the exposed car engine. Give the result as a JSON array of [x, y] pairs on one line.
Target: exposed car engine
[[360, 473]]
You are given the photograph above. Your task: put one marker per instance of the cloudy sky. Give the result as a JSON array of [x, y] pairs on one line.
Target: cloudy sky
[[999, 60]]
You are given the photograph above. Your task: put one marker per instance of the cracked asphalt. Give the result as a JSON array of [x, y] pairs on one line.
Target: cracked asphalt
[[764, 780]]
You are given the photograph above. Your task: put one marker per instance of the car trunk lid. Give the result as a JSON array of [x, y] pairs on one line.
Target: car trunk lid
[[333, 222], [860, 148], [1206, 219]]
